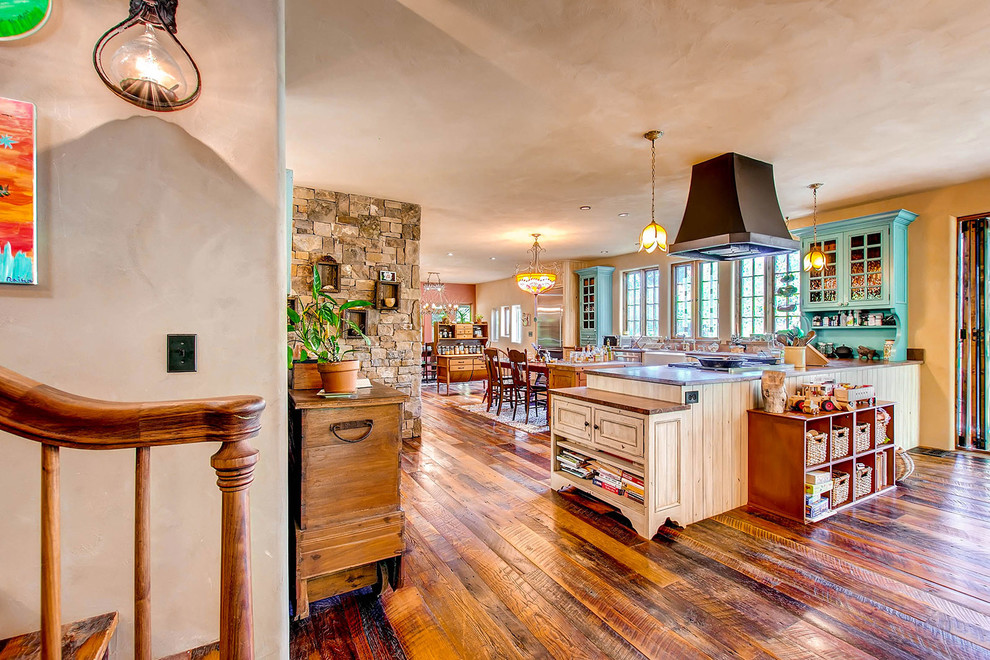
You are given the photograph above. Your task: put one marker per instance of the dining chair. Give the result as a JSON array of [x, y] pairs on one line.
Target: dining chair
[[498, 381], [524, 390]]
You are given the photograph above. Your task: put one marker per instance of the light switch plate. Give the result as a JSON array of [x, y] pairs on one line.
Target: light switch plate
[[181, 353]]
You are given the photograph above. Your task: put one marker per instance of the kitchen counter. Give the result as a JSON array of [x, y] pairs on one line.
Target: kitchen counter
[[625, 402], [667, 375], [575, 374]]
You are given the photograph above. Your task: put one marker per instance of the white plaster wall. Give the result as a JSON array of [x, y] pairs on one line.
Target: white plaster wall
[[151, 224]]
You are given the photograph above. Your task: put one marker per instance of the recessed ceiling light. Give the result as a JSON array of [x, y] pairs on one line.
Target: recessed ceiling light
[[493, 258], [622, 215], [585, 208], [450, 254], [604, 251]]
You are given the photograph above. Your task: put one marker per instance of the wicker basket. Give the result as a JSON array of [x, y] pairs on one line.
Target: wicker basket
[[903, 464], [861, 438], [840, 442], [817, 447], [864, 483], [883, 418], [840, 488]]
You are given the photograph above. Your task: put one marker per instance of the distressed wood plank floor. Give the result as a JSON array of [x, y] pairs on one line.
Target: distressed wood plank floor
[[499, 566]]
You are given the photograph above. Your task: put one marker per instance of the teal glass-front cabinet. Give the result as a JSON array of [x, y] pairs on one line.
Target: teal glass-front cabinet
[[865, 274], [594, 304]]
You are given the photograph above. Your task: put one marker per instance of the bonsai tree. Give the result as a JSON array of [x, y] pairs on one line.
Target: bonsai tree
[[320, 329]]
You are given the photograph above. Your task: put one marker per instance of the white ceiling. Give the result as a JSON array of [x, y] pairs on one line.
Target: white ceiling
[[502, 117]]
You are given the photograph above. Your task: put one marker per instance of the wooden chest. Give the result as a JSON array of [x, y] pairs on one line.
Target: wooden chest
[[344, 491]]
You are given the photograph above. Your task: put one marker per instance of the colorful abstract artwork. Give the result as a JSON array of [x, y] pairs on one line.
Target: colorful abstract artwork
[[19, 18], [18, 226]]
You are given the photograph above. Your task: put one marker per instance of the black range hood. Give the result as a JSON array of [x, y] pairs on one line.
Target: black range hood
[[732, 212]]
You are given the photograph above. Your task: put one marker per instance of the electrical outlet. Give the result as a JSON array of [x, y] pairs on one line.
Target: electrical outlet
[[181, 352], [691, 397]]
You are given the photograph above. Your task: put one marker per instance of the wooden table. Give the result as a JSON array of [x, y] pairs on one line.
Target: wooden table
[[344, 492]]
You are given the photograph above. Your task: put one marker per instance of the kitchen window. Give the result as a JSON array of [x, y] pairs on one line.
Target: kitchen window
[[641, 302], [684, 300], [516, 322], [769, 293], [708, 299]]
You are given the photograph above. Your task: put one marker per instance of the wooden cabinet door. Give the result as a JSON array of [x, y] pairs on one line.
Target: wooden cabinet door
[[572, 419], [619, 432]]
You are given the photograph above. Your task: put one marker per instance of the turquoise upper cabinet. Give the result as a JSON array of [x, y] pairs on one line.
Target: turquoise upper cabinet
[[594, 304], [865, 263]]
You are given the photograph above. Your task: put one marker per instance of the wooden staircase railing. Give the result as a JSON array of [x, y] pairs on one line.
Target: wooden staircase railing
[[57, 419]]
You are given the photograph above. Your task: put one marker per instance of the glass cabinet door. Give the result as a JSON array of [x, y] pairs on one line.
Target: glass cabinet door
[[865, 252], [588, 303], [823, 285]]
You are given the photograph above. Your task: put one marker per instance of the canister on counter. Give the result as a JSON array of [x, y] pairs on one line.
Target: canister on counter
[[888, 349]]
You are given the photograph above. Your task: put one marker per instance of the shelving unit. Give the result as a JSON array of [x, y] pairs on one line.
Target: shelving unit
[[779, 458], [458, 350], [866, 270]]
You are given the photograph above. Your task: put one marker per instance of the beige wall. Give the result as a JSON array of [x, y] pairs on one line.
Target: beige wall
[[931, 290], [505, 292], [151, 224]]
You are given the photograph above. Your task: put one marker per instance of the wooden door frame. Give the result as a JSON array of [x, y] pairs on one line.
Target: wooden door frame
[[960, 391]]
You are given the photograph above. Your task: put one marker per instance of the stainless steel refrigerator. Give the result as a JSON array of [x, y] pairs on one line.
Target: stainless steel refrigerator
[[550, 319]]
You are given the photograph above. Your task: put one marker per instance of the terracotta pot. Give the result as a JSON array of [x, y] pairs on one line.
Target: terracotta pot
[[339, 377]]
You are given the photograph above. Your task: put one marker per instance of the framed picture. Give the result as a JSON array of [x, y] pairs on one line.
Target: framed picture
[[386, 276], [526, 319], [18, 214]]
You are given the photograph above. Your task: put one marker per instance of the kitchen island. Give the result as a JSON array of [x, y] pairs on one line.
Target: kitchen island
[[716, 434]]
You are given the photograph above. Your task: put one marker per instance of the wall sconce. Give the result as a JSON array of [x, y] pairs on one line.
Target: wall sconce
[[142, 62]]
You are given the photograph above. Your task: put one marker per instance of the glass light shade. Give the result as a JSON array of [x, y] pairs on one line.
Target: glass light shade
[[536, 283], [815, 259], [142, 62], [654, 237]]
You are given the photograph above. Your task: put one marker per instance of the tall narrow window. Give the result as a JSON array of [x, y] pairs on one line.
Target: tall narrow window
[[752, 296], [651, 306], [683, 300], [516, 325], [633, 312], [493, 325], [708, 299], [786, 307]]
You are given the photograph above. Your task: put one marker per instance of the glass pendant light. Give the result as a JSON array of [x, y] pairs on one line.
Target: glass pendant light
[[536, 280], [142, 61], [814, 260], [434, 298], [654, 236]]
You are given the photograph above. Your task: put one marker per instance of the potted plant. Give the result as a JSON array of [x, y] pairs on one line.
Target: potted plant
[[319, 332]]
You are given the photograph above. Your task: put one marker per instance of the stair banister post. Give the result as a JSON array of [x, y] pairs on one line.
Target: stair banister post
[[234, 464]]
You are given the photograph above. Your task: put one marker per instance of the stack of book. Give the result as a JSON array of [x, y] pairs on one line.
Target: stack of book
[[607, 477], [817, 484], [574, 464], [633, 486]]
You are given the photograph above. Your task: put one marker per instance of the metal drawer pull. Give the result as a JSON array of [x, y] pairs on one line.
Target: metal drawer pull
[[343, 426]]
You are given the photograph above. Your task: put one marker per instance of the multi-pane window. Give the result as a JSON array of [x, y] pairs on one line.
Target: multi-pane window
[[708, 298], [641, 302], [786, 290], [752, 296], [683, 300], [769, 293]]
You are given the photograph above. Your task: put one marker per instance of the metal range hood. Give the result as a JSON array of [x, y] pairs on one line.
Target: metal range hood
[[732, 212]]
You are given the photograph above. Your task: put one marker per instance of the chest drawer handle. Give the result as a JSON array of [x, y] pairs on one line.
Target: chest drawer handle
[[343, 426]]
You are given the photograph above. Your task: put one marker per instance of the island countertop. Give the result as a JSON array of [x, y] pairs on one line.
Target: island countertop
[[636, 404], [667, 375]]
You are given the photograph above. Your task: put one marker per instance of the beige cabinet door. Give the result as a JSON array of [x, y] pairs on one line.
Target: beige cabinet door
[[572, 419], [615, 431]]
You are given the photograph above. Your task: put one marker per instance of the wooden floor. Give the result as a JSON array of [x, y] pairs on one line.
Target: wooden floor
[[499, 566]]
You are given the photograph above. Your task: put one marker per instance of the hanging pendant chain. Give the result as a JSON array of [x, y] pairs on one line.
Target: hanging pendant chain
[[653, 179], [815, 230]]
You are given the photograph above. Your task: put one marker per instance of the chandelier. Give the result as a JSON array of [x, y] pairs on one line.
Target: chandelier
[[537, 279], [815, 259], [434, 300], [654, 236]]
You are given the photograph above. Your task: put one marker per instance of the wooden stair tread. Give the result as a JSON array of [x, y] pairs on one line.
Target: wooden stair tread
[[81, 640], [418, 632], [205, 652]]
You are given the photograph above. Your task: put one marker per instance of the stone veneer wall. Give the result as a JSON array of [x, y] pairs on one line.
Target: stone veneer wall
[[366, 235]]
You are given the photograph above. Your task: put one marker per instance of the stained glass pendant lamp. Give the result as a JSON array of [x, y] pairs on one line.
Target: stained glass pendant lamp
[[535, 279], [654, 236], [142, 61], [814, 260]]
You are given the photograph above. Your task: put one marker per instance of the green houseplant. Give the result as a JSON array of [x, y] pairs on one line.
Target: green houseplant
[[320, 330]]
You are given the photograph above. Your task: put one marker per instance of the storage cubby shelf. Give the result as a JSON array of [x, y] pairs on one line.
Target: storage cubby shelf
[[779, 449]]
